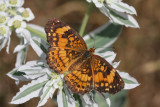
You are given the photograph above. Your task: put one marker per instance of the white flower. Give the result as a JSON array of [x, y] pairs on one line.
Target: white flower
[[110, 1], [3, 5], [89, 1], [4, 37], [17, 22], [14, 3], [14, 17], [4, 31], [98, 3], [117, 11], [26, 13], [3, 18]]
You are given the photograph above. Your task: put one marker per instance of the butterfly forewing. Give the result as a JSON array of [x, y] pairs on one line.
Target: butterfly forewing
[[60, 34], [65, 45]]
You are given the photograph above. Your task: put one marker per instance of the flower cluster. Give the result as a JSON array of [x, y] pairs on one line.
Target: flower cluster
[[45, 82], [12, 17], [117, 11]]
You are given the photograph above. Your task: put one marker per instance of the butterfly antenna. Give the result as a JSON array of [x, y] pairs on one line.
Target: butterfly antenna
[[108, 48], [94, 43], [92, 38]]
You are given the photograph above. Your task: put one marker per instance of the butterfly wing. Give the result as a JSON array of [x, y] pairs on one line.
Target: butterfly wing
[[105, 77], [65, 53], [65, 45], [80, 80]]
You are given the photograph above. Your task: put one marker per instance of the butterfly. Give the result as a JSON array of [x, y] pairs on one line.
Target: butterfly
[[68, 54]]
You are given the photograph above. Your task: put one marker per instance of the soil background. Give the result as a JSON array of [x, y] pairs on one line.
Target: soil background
[[138, 49]]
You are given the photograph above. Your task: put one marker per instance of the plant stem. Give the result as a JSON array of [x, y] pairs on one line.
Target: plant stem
[[85, 19], [37, 33]]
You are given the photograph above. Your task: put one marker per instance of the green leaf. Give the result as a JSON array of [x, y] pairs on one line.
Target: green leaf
[[104, 36], [123, 7], [16, 75], [29, 90], [78, 100], [19, 73], [21, 55], [123, 19], [100, 100], [37, 31], [15, 72], [41, 46], [119, 99], [65, 104], [128, 81]]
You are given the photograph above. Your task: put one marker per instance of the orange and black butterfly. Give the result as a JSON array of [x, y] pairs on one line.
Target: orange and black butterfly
[[68, 52]]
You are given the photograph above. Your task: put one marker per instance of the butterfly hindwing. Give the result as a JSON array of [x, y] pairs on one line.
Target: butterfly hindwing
[[105, 77], [80, 80], [59, 59]]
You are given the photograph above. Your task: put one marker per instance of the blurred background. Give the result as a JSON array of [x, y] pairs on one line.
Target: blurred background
[[138, 49]]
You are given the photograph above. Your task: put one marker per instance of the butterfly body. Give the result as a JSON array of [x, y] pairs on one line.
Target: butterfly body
[[68, 53]]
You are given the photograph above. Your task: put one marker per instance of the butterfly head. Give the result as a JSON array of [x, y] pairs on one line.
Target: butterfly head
[[89, 53], [92, 50]]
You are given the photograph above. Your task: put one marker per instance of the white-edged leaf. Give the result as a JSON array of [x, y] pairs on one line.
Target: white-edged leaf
[[107, 99], [70, 99], [25, 34], [130, 82], [29, 91], [38, 29], [37, 49], [123, 19], [48, 91], [21, 57], [118, 100], [17, 76], [115, 64], [41, 43], [33, 69], [33, 73], [62, 99], [8, 44], [122, 7], [87, 100], [3, 43], [92, 96], [103, 37], [35, 63], [19, 48], [100, 100], [22, 53], [108, 55], [26, 68], [120, 17]]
